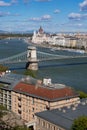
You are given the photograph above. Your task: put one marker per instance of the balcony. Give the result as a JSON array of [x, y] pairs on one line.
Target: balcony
[[47, 107], [19, 111], [19, 98], [19, 104]]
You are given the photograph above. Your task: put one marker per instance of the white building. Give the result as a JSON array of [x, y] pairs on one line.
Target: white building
[[40, 36]]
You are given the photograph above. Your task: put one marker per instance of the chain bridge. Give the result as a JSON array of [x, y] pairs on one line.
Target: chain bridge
[[41, 56]]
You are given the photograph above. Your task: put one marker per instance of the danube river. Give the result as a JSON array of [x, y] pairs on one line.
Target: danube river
[[69, 72]]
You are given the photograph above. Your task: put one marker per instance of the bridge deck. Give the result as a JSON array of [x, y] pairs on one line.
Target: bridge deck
[[41, 56]]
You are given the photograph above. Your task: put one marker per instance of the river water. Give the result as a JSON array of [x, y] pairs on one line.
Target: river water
[[72, 72]]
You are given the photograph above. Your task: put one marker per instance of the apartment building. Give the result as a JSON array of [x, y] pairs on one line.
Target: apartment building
[[60, 119], [5, 98], [7, 82], [28, 99], [26, 96]]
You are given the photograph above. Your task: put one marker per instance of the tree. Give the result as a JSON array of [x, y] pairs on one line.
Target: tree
[[31, 73], [3, 68], [19, 128], [80, 123], [82, 94]]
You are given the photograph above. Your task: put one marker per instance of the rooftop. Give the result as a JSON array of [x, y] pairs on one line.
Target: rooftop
[[45, 93], [64, 117], [10, 79]]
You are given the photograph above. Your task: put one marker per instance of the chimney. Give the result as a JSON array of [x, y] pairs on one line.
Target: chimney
[[38, 84]]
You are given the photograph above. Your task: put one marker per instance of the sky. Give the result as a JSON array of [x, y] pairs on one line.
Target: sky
[[52, 15]]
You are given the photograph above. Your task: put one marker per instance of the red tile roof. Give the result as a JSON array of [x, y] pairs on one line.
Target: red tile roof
[[43, 92]]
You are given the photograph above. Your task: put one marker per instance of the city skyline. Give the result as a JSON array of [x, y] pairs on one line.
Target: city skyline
[[52, 15]]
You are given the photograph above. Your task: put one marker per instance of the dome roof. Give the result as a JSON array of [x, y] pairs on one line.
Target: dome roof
[[41, 30]]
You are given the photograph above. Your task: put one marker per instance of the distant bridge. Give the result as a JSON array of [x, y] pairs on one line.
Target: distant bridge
[[41, 56]]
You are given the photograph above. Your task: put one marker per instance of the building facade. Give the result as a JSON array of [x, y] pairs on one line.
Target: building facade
[[26, 96], [28, 99], [63, 40], [7, 82], [61, 119], [39, 36], [5, 98]]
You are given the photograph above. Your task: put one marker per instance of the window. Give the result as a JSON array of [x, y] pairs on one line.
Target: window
[[19, 98], [48, 126], [32, 109], [19, 111], [19, 105], [38, 121], [33, 116], [43, 123], [59, 129], [53, 127], [9, 96]]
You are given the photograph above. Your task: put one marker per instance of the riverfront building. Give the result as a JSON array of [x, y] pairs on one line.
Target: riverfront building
[[61, 40], [60, 119], [39, 36], [26, 96], [8, 81], [28, 99]]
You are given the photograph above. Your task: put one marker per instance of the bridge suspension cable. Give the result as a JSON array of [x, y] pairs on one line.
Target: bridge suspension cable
[[21, 57], [41, 56]]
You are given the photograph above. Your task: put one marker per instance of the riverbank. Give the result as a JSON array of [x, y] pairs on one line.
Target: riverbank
[[74, 75], [53, 48]]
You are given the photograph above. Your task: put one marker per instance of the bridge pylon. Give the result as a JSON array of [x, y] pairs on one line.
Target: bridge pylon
[[32, 63]]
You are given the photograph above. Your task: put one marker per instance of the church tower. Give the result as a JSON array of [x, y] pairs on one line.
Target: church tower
[[41, 31]]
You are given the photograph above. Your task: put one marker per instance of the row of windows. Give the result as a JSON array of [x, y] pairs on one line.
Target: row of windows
[[26, 117], [28, 98], [47, 125]]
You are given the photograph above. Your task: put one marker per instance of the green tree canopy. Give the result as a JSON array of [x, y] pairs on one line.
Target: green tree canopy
[[3, 68], [31, 73], [80, 123], [83, 94]]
